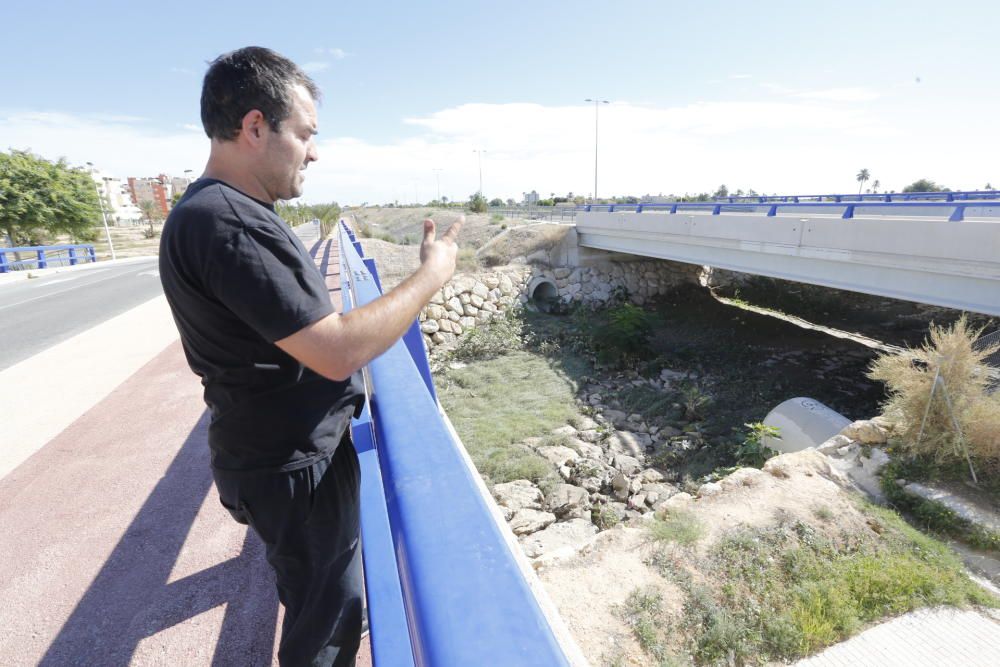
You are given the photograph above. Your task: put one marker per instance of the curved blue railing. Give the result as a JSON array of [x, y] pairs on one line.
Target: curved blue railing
[[46, 256], [443, 587], [954, 209]]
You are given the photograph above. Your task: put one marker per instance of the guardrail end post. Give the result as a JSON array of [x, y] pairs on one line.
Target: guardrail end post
[[716, 209], [42, 262], [771, 212], [849, 212], [958, 215]]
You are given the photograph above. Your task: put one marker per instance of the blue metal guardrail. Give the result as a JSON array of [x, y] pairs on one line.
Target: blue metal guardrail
[[46, 256], [443, 587], [961, 195], [957, 208]]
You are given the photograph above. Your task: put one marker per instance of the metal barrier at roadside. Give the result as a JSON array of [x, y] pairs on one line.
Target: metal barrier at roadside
[[45, 257], [443, 584]]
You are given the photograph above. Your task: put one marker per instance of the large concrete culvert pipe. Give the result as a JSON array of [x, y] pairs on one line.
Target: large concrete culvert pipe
[[543, 293]]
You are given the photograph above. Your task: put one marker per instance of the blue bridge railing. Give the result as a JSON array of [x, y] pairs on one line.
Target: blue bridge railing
[[45, 256], [961, 195], [443, 585], [955, 210]]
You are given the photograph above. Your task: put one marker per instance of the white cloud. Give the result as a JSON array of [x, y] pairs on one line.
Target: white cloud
[[118, 147], [315, 66], [337, 54], [793, 143], [191, 127], [741, 76], [840, 95]]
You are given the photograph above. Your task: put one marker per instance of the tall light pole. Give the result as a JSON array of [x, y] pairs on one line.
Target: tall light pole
[[479, 152], [596, 102], [104, 216], [437, 173]]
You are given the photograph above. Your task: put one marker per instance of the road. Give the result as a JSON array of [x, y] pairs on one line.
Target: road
[[38, 313]]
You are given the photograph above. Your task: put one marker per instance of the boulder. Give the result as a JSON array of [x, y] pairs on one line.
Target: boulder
[[616, 417], [455, 304], [429, 326], [557, 455], [867, 432], [527, 521], [566, 430], [562, 539], [568, 502], [585, 423], [634, 444], [709, 489], [832, 445], [590, 435], [676, 502], [517, 495], [627, 464]]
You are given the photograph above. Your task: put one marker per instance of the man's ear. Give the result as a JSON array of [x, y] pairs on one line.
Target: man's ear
[[254, 127]]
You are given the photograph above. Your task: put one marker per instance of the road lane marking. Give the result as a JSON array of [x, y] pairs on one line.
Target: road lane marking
[[67, 289]]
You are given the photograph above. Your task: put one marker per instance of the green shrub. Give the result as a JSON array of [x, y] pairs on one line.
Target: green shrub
[[623, 337], [753, 452], [501, 335], [679, 527]]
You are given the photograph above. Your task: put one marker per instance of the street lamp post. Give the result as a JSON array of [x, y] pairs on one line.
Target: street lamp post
[[437, 174], [104, 216], [596, 102], [479, 152]]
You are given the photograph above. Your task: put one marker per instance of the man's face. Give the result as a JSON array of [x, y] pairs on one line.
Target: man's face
[[290, 150]]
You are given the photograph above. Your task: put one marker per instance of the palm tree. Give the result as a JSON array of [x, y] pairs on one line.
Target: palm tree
[[876, 185], [862, 176]]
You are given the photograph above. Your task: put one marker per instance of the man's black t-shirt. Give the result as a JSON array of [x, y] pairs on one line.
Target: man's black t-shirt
[[237, 279]]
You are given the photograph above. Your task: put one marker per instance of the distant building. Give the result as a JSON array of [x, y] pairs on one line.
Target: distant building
[[530, 198], [159, 190], [116, 198], [656, 199]]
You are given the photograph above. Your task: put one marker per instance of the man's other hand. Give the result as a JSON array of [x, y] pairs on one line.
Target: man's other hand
[[439, 254]]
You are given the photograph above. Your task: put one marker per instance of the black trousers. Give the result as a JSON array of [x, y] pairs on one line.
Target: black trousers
[[309, 522]]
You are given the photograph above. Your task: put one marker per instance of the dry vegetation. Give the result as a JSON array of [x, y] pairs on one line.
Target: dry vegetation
[[960, 397]]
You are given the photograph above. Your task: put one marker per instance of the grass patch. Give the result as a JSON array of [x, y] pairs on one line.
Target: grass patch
[[649, 402], [498, 402], [679, 527], [501, 335], [466, 260], [783, 592], [643, 612]]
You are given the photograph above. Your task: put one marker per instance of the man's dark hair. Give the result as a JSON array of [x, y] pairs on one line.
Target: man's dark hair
[[245, 79]]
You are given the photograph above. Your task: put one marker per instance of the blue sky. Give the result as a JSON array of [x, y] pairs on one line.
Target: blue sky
[[781, 97]]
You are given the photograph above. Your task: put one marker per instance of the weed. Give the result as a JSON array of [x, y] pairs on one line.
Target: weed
[[935, 386], [496, 217], [623, 337], [694, 401], [753, 452], [679, 527], [466, 260], [822, 513], [604, 517], [643, 612], [501, 335]]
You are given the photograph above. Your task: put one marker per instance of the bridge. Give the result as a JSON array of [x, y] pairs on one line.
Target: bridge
[[945, 253]]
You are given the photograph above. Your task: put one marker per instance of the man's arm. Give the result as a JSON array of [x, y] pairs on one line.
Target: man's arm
[[338, 345]]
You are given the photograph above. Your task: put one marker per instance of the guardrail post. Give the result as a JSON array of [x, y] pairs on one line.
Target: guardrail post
[[849, 212], [958, 214], [771, 212], [3, 261], [673, 209], [638, 209], [72, 255], [716, 209], [92, 253], [42, 262]]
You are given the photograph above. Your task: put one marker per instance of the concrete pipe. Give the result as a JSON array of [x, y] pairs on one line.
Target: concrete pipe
[[543, 293], [804, 423]]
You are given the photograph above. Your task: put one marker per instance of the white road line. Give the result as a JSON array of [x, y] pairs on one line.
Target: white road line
[[67, 289]]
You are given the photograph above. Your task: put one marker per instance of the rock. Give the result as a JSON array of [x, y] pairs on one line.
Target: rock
[[477, 301], [806, 462], [590, 435], [669, 431], [866, 431], [584, 423], [561, 272], [634, 444], [568, 502], [709, 489], [676, 502], [663, 491], [620, 484], [467, 323], [559, 540], [627, 464], [470, 310], [435, 312], [587, 449], [527, 521], [566, 430], [455, 304], [438, 298], [429, 326], [506, 285], [637, 502], [465, 299], [742, 477], [517, 495], [538, 257], [491, 281], [834, 444], [650, 476], [481, 291], [557, 455], [616, 417]]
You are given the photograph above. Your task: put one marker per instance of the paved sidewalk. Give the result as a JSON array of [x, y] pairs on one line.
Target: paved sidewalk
[[939, 637], [115, 549]]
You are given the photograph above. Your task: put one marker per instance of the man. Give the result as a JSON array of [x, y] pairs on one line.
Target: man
[[279, 366]]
